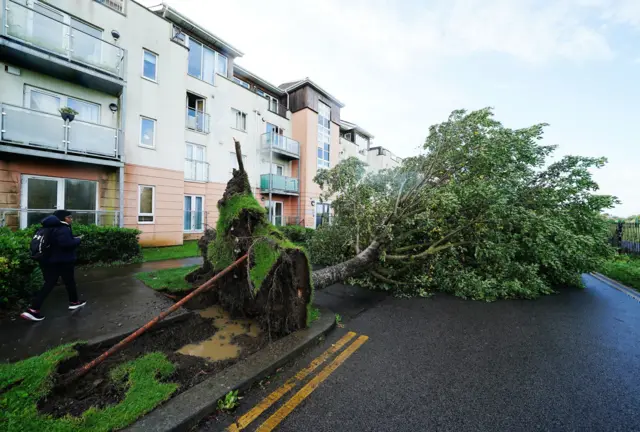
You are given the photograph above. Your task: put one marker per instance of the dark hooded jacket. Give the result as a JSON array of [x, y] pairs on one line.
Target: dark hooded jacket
[[63, 243]]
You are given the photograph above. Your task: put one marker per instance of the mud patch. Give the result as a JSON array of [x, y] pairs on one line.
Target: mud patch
[[222, 345], [96, 389]]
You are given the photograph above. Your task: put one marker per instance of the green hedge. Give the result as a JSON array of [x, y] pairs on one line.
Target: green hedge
[[298, 234], [20, 275]]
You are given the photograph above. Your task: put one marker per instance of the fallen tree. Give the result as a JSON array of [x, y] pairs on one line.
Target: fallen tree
[[274, 287], [481, 214]]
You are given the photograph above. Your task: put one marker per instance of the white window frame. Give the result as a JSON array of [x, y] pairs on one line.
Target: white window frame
[[272, 215], [315, 214], [195, 161], [64, 100], [236, 114], [215, 61], [157, 57], [242, 83], [281, 166], [153, 205], [24, 195], [323, 163], [193, 206], [155, 128]]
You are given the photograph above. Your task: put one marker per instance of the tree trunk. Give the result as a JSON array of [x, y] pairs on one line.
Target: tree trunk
[[350, 268]]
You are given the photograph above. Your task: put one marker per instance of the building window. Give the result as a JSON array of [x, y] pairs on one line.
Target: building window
[[324, 135], [41, 196], [362, 141], [116, 5], [193, 213], [147, 132], [242, 83], [150, 65], [240, 120], [146, 204], [197, 118], [234, 161], [50, 102], [196, 167], [204, 62]]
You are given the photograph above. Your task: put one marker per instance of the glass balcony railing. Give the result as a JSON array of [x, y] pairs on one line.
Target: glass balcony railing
[[279, 183], [197, 120], [51, 133], [281, 144], [46, 29]]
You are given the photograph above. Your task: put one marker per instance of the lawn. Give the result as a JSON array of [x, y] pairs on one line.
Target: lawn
[[187, 250], [625, 269], [23, 383], [169, 280]]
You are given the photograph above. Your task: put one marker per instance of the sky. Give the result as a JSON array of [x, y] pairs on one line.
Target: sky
[[401, 66]]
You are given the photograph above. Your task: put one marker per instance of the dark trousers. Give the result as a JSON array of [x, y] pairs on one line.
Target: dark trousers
[[51, 274]]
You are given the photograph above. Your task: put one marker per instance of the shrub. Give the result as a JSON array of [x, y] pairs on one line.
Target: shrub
[[298, 234], [330, 244], [20, 275]]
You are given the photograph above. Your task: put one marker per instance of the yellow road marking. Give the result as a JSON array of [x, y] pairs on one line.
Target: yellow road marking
[[277, 417], [264, 405]]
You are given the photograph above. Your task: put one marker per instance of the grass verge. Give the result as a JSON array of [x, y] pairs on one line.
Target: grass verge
[[187, 250], [168, 280], [23, 383], [625, 269]]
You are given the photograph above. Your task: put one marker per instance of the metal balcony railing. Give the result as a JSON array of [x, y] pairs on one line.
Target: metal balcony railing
[[279, 183], [198, 120], [196, 170], [27, 127], [116, 5], [281, 144], [43, 28], [21, 217]]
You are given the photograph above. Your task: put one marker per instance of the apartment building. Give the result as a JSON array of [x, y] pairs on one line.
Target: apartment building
[[357, 142], [159, 100]]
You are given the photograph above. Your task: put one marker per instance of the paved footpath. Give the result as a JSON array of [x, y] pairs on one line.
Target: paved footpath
[[117, 301], [568, 362]]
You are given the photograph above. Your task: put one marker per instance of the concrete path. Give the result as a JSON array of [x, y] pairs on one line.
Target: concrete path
[[567, 362], [116, 302]]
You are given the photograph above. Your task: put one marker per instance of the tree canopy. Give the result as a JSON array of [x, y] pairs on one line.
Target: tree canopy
[[483, 213]]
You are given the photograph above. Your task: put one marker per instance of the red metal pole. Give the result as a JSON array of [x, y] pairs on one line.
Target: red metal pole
[[205, 286]]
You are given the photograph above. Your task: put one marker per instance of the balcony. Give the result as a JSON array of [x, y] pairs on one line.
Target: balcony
[[279, 184], [42, 39], [280, 144], [198, 121], [196, 170], [26, 131]]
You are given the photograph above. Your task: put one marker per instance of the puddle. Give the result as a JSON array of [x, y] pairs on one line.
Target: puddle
[[219, 346]]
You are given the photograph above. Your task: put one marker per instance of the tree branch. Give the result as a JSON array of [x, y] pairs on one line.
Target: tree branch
[[386, 279], [431, 251], [239, 154]]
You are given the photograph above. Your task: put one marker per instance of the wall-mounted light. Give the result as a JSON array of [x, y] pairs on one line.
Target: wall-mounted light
[[115, 35], [313, 202], [261, 198], [113, 107]]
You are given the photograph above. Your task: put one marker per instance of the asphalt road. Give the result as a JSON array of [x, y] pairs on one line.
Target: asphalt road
[[569, 362]]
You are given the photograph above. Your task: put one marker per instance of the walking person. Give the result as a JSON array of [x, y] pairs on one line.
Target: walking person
[[57, 259]]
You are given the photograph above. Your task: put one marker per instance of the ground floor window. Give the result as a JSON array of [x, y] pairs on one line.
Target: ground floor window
[[193, 213], [146, 204], [323, 213], [41, 196]]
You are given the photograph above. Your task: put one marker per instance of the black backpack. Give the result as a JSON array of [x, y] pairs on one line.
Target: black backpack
[[41, 244]]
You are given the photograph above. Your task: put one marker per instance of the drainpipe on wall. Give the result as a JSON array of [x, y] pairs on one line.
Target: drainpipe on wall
[[122, 112]]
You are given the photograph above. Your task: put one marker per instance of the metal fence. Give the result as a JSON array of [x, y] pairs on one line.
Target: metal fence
[[625, 237], [16, 218]]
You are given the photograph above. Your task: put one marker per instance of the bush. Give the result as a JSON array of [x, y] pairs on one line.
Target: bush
[[330, 244], [20, 275], [298, 234]]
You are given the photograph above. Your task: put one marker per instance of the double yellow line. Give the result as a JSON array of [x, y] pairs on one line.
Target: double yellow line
[[286, 409]]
